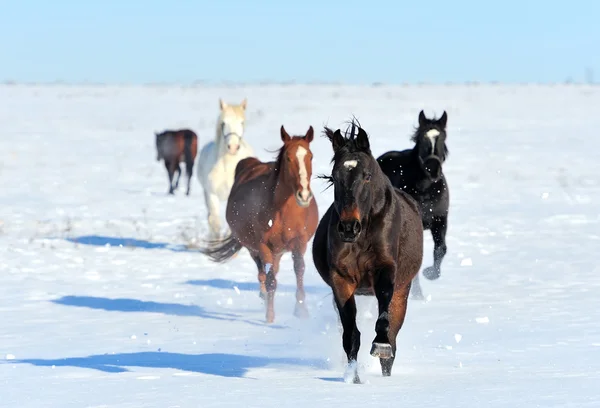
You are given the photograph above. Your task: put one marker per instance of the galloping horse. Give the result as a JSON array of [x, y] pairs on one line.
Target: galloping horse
[[369, 242], [271, 210], [418, 171], [175, 147], [218, 159]]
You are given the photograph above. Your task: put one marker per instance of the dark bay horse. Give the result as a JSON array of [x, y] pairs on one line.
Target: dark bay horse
[[369, 242], [418, 171], [177, 146], [271, 210]]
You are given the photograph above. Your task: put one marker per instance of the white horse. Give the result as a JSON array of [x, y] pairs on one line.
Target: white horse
[[218, 159]]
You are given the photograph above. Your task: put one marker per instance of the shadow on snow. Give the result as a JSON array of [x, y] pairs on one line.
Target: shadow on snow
[[99, 240], [254, 287], [224, 365], [134, 305]]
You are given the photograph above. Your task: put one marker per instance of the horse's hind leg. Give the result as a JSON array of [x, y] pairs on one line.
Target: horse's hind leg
[[300, 310], [178, 170], [416, 292], [397, 314], [384, 290], [439, 226], [262, 276], [343, 292], [189, 169]]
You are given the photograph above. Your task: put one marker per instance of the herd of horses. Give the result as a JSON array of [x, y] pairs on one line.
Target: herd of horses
[[369, 242]]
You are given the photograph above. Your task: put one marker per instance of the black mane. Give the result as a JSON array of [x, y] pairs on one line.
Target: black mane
[[350, 145]]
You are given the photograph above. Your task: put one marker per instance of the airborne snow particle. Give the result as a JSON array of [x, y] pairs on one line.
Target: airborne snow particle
[[10, 356], [482, 320], [457, 337]]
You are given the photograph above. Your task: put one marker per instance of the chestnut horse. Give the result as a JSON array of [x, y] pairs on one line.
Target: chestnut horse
[[369, 242], [271, 210], [175, 147]]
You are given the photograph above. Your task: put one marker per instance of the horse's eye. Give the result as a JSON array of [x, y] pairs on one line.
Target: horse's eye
[[368, 177]]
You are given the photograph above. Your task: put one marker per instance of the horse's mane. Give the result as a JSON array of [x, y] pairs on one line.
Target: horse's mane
[[350, 145]]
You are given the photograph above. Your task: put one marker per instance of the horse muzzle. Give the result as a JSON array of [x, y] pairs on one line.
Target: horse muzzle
[[303, 201], [349, 230], [233, 149]]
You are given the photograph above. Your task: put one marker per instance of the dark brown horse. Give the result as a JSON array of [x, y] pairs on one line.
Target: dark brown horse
[[271, 210], [177, 146], [369, 242]]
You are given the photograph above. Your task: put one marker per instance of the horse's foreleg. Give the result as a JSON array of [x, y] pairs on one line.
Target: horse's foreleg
[[343, 292], [439, 226], [300, 311], [397, 313], [214, 222], [384, 290]]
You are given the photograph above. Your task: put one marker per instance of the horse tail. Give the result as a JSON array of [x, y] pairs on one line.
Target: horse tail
[[188, 139], [223, 250]]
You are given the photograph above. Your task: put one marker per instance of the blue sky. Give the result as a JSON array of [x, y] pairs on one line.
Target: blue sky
[[139, 41]]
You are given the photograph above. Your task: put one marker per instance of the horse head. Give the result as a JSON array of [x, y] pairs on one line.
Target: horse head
[[231, 125]]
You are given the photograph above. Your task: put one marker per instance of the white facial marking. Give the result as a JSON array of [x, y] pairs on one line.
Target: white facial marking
[[432, 135], [350, 164], [301, 154]]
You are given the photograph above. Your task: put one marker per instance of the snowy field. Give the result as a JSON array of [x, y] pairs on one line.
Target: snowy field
[[103, 305]]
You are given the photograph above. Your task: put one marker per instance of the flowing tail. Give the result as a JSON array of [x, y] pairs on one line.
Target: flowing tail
[[223, 250], [188, 138]]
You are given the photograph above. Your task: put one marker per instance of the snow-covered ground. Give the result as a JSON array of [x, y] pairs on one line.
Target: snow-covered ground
[[102, 305]]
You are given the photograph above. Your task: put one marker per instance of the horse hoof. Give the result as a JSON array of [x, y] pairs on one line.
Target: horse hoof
[[270, 318], [431, 273], [382, 350], [300, 311], [262, 295], [351, 373]]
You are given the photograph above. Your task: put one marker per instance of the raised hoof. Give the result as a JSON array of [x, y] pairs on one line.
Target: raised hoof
[[431, 273], [382, 350], [300, 311]]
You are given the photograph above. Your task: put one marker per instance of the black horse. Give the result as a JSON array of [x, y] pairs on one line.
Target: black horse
[[369, 242], [418, 171]]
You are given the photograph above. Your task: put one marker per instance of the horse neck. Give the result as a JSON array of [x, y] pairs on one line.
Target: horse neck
[[283, 186]]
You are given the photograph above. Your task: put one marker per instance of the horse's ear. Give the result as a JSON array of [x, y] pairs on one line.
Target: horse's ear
[[443, 120], [362, 140], [310, 134], [422, 118], [337, 140], [222, 104], [285, 137], [244, 104]]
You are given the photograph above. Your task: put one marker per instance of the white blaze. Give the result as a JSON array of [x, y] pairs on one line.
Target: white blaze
[[350, 164], [432, 136], [301, 154]]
